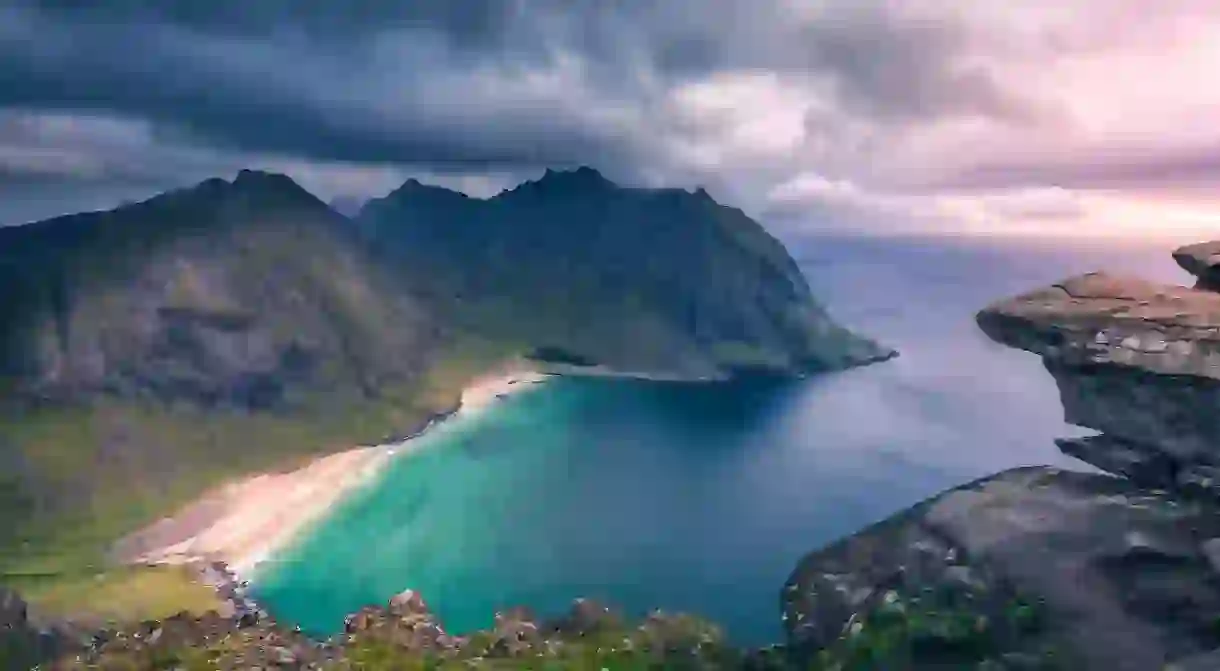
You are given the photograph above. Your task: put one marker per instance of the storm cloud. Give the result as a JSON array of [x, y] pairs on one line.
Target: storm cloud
[[906, 103]]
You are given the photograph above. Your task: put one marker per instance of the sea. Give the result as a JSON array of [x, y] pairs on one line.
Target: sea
[[702, 497]]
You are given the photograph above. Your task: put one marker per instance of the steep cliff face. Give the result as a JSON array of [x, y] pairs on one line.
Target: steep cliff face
[[246, 294], [637, 279], [1044, 569]]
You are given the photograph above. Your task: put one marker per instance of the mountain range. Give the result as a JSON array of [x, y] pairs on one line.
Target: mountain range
[[157, 349]]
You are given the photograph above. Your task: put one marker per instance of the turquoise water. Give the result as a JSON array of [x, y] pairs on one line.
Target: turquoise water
[[700, 497], [647, 495]]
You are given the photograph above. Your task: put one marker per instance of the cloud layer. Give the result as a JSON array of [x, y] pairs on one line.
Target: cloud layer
[[929, 115]]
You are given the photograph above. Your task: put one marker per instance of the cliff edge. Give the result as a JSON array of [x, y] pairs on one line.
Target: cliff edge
[[1040, 568]]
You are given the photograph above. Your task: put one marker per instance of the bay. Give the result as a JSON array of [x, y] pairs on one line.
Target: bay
[[702, 498]]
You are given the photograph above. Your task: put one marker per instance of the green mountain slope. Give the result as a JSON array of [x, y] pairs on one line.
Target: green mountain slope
[[636, 279], [154, 350]]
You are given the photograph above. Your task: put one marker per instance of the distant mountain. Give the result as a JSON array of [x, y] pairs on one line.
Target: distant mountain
[[348, 206], [638, 279]]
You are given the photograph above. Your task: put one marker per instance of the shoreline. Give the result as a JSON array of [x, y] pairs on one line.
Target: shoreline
[[599, 371], [234, 528], [229, 531]]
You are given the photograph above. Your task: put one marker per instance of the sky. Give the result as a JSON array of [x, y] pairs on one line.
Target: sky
[[1043, 117]]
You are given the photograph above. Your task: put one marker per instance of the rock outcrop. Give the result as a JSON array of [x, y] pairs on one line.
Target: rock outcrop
[[1038, 568], [1137, 361], [1035, 565], [1203, 261]]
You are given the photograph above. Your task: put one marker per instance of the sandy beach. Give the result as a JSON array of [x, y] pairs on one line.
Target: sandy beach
[[245, 522], [487, 389]]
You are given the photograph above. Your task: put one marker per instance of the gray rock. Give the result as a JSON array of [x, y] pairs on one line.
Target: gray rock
[[515, 632], [1198, 479], [1201, 260], [1141, 463], [1117, 573], [13, 610], [1208, 661], [1171, 413], [1137, 361], [1211, 550], [408, 602], [1104, 319]]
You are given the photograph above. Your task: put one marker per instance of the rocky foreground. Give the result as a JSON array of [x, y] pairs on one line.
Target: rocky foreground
[[401, 635], [1039, 568]]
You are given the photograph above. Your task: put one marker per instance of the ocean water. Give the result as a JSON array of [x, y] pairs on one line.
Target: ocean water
[[703, 497]]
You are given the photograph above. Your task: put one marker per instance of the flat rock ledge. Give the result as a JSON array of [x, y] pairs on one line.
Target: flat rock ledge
[[1138, 362], [1040, 568]]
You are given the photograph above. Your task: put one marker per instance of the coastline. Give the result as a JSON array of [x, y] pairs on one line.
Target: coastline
[[225, 534], [229, 531]]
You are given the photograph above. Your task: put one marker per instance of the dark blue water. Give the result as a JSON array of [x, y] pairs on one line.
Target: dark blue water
[[702, 498]]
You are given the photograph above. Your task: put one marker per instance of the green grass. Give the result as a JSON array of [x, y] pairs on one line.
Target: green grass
[[170, 456], [120, 594]]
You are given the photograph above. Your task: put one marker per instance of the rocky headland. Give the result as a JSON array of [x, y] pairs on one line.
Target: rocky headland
[[1038, 568]]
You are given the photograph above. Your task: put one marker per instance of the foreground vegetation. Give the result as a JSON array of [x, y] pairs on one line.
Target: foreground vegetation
[[902, 634]]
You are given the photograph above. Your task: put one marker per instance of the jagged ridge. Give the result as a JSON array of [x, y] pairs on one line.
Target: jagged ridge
[[637, 279]]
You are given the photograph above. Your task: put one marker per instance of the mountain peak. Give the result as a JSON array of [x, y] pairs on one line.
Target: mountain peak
[[262, 180], [263, 187], [414, 187], [582, 177]]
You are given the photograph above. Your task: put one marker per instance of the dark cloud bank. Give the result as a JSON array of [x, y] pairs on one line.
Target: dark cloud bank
[[462, 86], [99, 100]]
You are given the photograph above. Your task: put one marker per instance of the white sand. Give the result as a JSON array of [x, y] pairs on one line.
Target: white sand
[[245, 522], [251, 518], [484, 391]]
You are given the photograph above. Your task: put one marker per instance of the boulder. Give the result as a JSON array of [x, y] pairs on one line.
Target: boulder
[[405, 623], [1035, 564], [408, 602], [13, 610], [1137, 361], [515, 632], [1201, 260]]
